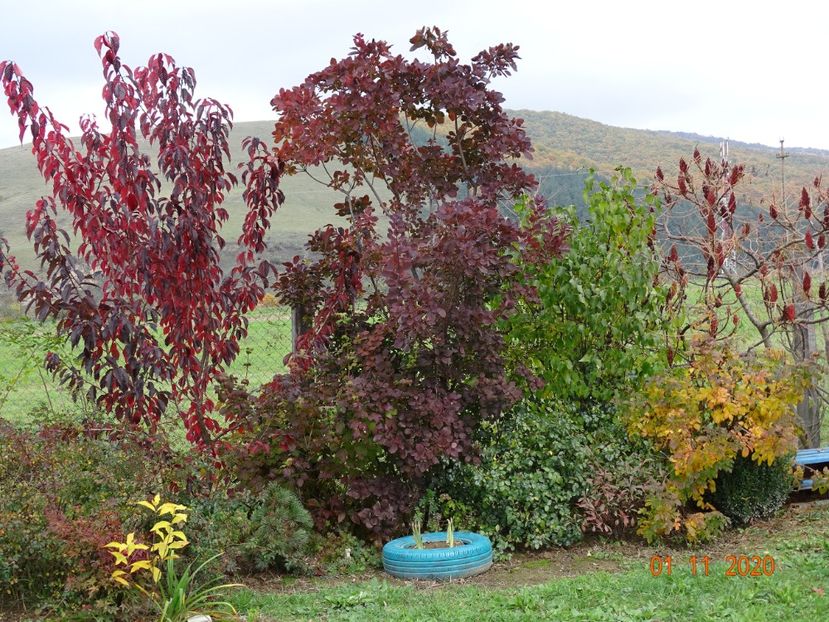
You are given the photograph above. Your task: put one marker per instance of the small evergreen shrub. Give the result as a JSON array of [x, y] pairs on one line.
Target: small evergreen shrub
[[752, 490], [255, 532]]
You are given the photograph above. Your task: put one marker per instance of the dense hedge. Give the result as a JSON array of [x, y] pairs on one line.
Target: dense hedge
[[534, 467]]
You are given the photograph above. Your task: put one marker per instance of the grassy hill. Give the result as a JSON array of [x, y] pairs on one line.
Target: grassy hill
[[565, 147], [307, 204]]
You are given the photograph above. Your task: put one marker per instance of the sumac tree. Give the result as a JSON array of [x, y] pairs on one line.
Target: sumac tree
[[759, 273], [145, 296], [403, 357]]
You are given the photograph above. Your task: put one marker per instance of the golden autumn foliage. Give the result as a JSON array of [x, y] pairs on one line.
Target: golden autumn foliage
[[703, 416], [167, 540], [151, 569]]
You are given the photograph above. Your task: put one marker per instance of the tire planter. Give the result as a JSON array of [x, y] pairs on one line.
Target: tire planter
[[471, 555]]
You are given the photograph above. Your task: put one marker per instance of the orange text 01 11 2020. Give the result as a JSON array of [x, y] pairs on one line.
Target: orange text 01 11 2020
[[736, 565]]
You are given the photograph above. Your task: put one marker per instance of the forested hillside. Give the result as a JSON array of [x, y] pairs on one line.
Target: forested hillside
[[566, 147], [565, 142]]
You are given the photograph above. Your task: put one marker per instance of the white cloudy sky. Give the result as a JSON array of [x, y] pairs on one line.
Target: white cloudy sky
[[752, 71]]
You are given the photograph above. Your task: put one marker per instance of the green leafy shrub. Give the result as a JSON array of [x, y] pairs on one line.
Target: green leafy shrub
[[593, 327], [753, 490], [254, 532], [589, 330], [534, 468]]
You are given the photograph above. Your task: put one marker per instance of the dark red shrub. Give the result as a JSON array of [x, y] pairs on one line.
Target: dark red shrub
[[403, 357], [617, 493]]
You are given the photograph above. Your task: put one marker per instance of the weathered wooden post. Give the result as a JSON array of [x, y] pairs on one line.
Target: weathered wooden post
[[301, 322]]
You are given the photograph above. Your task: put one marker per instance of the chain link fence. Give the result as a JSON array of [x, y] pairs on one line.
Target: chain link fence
[[26, 387]]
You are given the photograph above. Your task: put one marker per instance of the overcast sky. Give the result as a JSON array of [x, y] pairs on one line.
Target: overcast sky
[[750, 71]]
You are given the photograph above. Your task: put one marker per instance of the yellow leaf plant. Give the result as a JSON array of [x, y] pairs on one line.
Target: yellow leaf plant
[[702, 416], [150, 568], [167, 540]]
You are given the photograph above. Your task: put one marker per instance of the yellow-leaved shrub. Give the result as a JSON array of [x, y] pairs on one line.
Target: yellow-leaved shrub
[[702, 416], [166, 541]]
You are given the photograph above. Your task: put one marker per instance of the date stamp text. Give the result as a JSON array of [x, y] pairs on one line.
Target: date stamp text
[[736, 565]]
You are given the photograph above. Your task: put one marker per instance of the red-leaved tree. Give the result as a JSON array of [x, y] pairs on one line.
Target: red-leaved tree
[[403, 357], [144, 294]]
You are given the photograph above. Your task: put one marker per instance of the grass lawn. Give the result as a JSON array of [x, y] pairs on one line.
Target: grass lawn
[[610, 582], [25, 385]]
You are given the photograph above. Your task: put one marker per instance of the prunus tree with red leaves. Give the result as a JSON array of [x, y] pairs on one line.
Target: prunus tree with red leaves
[[144, 294], [403, 358]]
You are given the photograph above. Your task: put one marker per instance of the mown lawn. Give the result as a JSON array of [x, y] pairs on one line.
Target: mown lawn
[[796, 591]]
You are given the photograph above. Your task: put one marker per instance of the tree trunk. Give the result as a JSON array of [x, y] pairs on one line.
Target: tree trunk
[[804, 348]]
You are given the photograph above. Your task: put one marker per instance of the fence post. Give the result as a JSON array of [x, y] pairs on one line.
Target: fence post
[[300, 323]]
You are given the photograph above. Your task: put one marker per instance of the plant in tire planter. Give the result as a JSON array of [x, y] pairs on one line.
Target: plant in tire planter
[[439, 555]]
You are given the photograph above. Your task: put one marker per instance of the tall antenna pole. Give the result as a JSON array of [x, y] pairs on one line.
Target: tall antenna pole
[[782, 157], [726, 230]]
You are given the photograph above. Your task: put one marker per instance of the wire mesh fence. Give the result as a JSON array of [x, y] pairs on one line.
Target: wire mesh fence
[[26, 387]]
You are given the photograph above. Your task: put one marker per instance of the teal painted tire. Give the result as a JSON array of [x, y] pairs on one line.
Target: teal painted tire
[[471, 557]]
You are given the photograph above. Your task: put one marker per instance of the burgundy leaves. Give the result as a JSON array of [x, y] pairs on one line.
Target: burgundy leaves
[[727, 247], [403, 357], [372, 101]]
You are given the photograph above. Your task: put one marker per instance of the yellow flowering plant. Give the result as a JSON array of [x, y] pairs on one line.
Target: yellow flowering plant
[[151, 570]]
